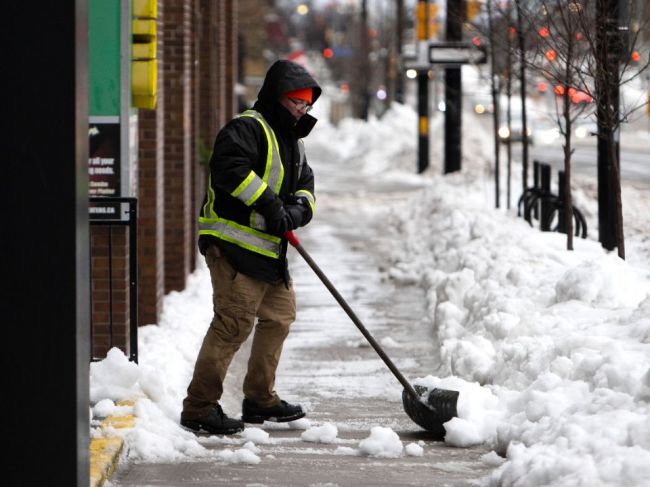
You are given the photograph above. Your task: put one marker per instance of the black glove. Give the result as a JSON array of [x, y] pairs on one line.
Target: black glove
[[278, 221], [302, 202], [298, 215]]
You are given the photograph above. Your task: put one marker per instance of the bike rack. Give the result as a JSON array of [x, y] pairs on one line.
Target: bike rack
[[539, 203]]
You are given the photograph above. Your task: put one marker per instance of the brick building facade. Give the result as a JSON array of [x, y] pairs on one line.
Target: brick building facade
[[197, 74]]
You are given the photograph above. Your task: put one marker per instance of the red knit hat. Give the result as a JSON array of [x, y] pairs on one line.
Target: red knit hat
[[301, 94]]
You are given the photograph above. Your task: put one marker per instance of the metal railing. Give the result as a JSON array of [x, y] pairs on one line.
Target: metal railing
[[118, 212]]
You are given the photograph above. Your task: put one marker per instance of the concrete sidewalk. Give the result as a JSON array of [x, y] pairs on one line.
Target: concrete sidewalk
[[328, 367]]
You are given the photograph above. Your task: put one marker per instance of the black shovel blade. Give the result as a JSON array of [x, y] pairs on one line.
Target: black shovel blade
[[434, 408]]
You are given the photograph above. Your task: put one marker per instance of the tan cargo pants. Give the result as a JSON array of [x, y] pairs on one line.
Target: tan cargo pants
[[238, 300]]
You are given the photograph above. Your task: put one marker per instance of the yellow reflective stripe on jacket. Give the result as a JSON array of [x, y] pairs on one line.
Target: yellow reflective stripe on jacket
[[301, 151], [250, 189], [277, 172], [310, 197], [246, 237], [274, 170], [208, 208]]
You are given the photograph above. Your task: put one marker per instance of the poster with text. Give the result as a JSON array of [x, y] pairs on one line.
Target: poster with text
[[104, 159]]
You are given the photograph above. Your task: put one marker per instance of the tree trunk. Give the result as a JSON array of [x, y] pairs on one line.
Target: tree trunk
[[496, 112], [522, 80], [509, 121], [615, 174], [568, 199]]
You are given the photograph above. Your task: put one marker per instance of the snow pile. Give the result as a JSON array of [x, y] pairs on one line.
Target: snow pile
[[256, 435], [478, 411], [242, 455], [603, 280], [382, 443], [414, 450], [549, 348], [358, 139], [106, 407], [326, 433], [114, 378]]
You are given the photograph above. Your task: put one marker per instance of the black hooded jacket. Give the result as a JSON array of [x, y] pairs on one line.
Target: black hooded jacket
[[241, 146]]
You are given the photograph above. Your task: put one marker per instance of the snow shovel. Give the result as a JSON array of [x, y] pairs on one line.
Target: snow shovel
[[428, 409]]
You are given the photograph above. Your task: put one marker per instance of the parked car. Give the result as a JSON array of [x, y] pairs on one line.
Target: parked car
[[482, 103], [516, 131], [583, 129]]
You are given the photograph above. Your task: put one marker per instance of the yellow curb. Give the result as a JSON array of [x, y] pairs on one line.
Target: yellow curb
[[105, 452], [119, 422]]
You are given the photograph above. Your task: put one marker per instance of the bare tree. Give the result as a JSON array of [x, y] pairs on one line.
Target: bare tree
[[612, 35], [508, 50], [562, 47], [574, 49]]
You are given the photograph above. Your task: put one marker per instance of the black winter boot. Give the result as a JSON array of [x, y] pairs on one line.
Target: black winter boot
[[280, 413], [216, 423]]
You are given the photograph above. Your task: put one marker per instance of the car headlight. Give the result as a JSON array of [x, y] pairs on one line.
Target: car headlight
[[479, 108], [504, 132]]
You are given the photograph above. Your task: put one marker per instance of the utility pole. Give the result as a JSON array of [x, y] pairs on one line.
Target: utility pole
[[456, 10], [399, 71], [365, 65], [423, 23]]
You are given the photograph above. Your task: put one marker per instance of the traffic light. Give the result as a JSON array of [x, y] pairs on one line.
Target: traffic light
[[473, 8], [421, 20], [144, 67]]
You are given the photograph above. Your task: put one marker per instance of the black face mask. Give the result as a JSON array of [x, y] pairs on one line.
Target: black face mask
[[300, 127], [284, 117], [304, 125]]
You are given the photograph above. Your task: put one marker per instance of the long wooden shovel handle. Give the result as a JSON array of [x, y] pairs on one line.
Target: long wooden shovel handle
[[293, 240]]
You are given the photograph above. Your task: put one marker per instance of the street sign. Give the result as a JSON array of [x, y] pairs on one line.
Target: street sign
[[456, 53], [419, 60]]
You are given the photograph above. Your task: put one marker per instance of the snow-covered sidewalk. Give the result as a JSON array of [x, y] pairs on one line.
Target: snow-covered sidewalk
[[550, 349]]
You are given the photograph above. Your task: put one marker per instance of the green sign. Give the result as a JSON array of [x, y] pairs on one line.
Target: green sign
[[104, 57]]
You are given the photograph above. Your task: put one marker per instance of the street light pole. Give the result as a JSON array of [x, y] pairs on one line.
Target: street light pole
[[453, 94], [365, 65], [399, 72], [423, 89]]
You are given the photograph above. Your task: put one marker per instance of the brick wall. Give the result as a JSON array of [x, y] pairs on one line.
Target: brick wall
[[206, 95], [220, 62], [151, 202], [231, 58], [177, 33], [109, 289]]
